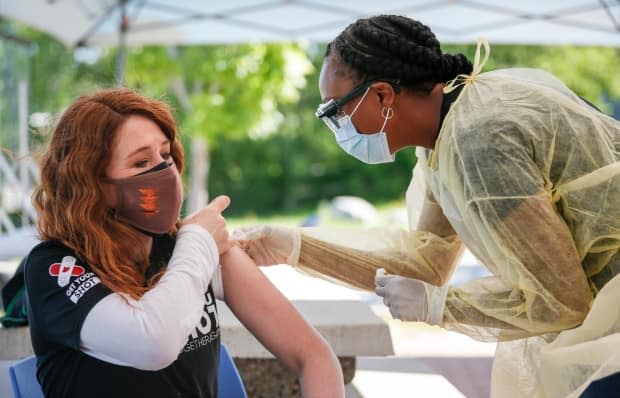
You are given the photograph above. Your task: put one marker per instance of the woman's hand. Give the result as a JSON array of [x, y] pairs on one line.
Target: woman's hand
[[210, 218]]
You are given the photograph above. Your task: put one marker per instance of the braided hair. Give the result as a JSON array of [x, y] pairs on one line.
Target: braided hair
[[397, 49]]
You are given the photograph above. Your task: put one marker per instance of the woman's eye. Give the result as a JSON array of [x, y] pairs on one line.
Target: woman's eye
[[141, 163], [166, 155]]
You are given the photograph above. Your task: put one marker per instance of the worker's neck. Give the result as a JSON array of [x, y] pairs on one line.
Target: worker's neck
[[426, 117]]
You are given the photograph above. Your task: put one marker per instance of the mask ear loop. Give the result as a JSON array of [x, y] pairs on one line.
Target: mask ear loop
[[387, 114], [359, 103]]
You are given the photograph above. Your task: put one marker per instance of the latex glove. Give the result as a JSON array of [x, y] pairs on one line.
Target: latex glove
[[270, 245], [411, 299]]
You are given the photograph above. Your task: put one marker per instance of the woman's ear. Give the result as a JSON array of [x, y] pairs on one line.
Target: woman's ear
[[438, 87], [385, 93]]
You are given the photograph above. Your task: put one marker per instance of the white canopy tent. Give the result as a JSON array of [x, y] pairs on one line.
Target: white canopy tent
[[169, 22], [174, 22]]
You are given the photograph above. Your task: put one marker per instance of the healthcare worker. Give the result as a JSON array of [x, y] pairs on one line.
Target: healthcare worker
[[511, 164]]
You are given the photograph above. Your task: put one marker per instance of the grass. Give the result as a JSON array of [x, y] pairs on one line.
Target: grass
[[292, 219]]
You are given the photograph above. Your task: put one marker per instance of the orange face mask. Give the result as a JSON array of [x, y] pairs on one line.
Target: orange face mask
[[149, 201]]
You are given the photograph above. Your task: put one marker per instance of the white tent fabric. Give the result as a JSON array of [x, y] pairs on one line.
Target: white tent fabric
[[169, 22]]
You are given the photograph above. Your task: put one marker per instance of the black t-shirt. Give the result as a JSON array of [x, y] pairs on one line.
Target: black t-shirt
[[62, 289]]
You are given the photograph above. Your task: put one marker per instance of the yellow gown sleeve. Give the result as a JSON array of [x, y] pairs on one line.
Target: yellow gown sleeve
[[540, 287], [352, 255]]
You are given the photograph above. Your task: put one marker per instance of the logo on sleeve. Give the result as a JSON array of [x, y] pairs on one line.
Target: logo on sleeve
[[65, 270], [83, 282]]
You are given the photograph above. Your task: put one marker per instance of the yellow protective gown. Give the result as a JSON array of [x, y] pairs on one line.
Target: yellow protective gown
[[528, 177]]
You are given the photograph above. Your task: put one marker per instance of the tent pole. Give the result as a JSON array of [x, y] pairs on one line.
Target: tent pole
[[22, 100], [122, 44]]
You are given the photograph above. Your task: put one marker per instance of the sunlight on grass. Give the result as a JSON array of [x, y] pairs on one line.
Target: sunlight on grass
[[297, 218], [289, 220]]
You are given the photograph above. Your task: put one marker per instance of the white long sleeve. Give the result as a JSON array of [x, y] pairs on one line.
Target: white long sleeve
[[149, 333], [217, 284]]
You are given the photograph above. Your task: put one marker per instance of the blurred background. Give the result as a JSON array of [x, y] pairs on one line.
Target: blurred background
[[246, 108], [245, 98]]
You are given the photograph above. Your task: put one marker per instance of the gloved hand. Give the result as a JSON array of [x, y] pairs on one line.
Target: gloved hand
[[270, 244], [411, 299]]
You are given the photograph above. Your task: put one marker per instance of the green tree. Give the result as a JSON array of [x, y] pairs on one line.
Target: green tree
[[255, 104], [220, 92], [229, 90], [302, 165], [592, 72]]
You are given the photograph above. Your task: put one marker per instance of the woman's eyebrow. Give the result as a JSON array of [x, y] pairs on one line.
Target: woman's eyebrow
[[141, 149], [146, 147]]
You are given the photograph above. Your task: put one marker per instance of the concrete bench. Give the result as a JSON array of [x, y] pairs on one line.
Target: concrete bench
[[349, 326]]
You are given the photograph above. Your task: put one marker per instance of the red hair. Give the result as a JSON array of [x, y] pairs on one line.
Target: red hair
[[69, 197]]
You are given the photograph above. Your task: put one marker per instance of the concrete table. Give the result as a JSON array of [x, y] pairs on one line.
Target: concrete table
[[15, 343], [349, 326]]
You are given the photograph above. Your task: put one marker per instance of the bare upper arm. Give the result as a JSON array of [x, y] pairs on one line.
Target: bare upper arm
[[265, 311]]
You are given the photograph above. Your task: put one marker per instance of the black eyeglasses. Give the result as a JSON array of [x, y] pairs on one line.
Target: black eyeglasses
[[332, 107], [330, 111]]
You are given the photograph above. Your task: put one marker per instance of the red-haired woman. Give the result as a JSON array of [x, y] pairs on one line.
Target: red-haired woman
[[121, 292]]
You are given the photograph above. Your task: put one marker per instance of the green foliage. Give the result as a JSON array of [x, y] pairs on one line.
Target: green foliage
[[13, 69], [221, 91], [300, 165], [255, 105], [285, 172], [55, 76], [591, 72]]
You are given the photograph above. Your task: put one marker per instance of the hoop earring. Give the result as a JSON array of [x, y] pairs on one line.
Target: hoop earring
[[387, 113]]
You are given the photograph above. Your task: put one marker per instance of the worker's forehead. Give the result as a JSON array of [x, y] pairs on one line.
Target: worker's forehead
[[334, 81]]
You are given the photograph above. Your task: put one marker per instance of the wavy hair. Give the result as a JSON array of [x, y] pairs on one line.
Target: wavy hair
[[69, 196]]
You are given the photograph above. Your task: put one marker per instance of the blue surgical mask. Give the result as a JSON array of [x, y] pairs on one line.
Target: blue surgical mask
[[369, 148]]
